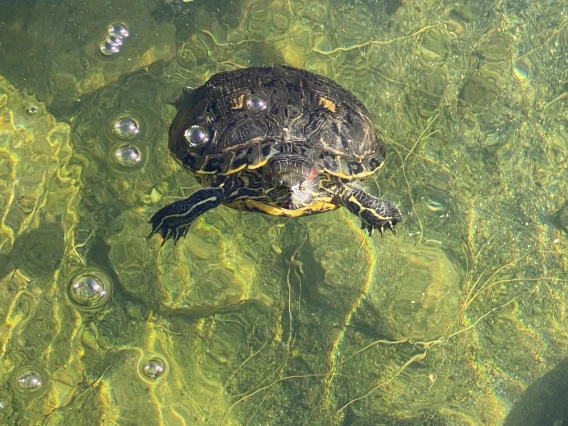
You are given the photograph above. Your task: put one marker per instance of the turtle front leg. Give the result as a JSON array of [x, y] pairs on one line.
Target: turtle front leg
[[174, 220], [374, 213]]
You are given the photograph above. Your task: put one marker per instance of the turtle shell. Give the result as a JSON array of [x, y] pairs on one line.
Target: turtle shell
[[239, 119]]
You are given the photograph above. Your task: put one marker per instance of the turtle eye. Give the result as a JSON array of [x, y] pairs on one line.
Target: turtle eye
[[256, 102], [196, 135], [280, 185]]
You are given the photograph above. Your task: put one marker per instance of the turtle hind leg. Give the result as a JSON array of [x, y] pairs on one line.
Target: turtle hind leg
[[174, 220], [374, 212]]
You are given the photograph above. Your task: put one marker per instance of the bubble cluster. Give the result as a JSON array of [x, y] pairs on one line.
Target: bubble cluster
[[89, 289], [125, 127], [116, 34], [152, 367], [125, 155]]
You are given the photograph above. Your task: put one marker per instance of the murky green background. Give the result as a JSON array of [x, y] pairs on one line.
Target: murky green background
[[460, 319]]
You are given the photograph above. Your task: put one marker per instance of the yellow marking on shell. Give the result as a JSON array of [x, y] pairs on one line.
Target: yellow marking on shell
[[339, 174], [244, 166], [231, 171], [256, 166], [238, 102], [249, 204], [342, 175], [327, 104]]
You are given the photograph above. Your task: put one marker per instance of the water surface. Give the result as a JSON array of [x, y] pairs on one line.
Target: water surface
[[459, 319]]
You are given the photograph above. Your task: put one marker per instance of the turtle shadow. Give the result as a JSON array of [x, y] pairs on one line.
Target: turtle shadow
[[544, 401]]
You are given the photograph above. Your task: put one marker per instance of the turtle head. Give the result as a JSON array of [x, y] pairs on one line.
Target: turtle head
[[291, 181]]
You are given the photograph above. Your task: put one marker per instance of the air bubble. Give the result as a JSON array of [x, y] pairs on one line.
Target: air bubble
[[256, 103], [109, 49], [5, 404], [196, 135], [89, 289], [152, 367], [128, 156], [125, 127], [118, 30], [115, 40], [29, 382]]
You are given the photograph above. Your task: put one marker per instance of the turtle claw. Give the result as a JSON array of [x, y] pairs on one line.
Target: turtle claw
[[168, 232], [167, 229], [388, 225], [370, 228], [367, 227]]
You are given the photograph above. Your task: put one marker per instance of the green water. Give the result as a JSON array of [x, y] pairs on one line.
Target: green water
[[459, 319]]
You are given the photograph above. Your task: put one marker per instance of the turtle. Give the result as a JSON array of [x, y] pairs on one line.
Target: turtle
[[278, 140]]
